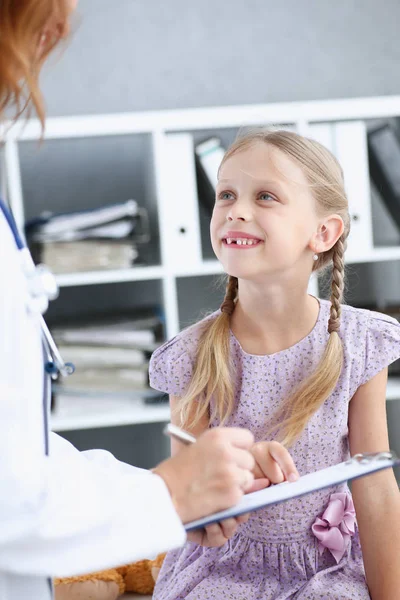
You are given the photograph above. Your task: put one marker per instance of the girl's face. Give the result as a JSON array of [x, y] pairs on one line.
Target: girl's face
[[264, 216]]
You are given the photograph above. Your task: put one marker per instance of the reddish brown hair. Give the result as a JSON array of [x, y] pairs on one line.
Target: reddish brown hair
[[22, 24]]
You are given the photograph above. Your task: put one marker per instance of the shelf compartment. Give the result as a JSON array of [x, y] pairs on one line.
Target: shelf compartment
[[197, 296], [91, 411], [91, 173]]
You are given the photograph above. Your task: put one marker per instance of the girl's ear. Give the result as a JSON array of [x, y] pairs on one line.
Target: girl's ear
[[329, 231]]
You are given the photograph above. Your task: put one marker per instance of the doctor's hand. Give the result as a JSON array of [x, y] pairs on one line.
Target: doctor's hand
[[210, 475], [217, 534], [273, 464]]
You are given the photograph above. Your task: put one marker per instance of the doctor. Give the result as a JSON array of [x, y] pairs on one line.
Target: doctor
[[63, 512]]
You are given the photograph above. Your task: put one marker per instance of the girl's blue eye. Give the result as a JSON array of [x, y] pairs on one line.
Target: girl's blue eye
[[266, 196], [225, 196]]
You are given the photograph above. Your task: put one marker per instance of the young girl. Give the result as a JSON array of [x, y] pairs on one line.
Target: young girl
[[283, 363]]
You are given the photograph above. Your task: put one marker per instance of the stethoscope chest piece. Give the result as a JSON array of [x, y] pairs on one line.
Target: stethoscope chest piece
[[41, 284]]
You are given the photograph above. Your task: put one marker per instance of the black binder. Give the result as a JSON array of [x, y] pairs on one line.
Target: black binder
[[384, 162]]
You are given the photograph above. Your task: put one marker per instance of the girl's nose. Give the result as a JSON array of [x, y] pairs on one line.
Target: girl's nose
[[239, 211], [232, 218]]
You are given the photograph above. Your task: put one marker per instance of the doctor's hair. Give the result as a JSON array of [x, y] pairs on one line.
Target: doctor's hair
[[213, 369], [22, 24]]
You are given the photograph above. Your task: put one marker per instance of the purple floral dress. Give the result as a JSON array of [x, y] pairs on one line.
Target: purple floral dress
[[277, 555]]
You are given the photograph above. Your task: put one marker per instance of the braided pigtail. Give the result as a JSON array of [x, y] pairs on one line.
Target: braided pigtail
[[337, 286], [212, 377], [313, 392]]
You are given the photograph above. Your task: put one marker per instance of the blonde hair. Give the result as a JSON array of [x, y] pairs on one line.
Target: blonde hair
[[212, 376], [22, 24]]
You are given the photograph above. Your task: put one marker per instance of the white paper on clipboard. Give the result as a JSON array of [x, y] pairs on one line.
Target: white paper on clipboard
[[357, 466]]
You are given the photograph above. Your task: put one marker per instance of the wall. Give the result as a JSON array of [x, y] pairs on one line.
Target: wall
[[140, 55]]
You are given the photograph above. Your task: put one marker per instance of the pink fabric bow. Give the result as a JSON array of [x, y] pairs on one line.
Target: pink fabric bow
[[336, 526]]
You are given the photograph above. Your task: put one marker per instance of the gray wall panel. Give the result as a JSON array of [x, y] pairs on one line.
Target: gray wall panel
[[140, 55]]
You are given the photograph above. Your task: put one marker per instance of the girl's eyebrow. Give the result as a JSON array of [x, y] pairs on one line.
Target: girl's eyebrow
[[259, 182]]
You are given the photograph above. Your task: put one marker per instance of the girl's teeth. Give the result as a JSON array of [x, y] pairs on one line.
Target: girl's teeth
[[241, 242]]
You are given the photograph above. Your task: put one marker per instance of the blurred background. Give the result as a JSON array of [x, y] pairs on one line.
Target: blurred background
[[136, 55]]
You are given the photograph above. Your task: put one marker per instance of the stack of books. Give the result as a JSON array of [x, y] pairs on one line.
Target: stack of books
[[110, 355], [89, 240]]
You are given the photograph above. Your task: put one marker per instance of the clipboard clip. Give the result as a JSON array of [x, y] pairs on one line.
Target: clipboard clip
[[368, 457]]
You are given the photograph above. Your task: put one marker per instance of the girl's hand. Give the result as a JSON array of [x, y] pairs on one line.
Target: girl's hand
[[273, 465], [217, 534]]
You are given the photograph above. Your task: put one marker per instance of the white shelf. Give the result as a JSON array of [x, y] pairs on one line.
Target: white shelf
[[206, 118], [393, 389], [75, 412], [207, 267], [110, 276], [376, 255]]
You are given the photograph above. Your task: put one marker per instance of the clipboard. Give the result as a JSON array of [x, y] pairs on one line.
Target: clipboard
[[357, 466]]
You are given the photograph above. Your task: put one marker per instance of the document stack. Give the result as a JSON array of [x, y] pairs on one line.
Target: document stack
[[103, 238], [110, 356]]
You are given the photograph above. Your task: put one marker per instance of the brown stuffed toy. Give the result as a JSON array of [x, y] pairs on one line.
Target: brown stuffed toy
[[138, 577]]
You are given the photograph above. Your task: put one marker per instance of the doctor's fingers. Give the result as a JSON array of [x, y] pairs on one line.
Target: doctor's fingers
[[242, 478], [274, 462], [230, 481], [227, 436], [218, 534], [218, 449], [229, 527], [242, 459]]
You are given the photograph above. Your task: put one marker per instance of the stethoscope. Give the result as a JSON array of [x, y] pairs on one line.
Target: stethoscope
[[42, 287]]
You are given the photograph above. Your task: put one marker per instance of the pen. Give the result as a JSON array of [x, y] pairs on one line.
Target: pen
[[180, 435]]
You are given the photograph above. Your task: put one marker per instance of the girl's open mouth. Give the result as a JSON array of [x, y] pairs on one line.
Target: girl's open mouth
[[241, 243]]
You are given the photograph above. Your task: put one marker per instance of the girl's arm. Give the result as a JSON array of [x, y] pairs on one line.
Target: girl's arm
[[376, 497]]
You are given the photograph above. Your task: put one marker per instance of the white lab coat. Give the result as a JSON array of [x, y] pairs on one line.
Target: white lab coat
[[70, 512]]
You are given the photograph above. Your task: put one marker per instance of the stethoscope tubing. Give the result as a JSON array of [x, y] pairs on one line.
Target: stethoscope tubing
[[55, 364]]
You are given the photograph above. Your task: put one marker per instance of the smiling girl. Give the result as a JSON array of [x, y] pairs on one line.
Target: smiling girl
[[283, 363]]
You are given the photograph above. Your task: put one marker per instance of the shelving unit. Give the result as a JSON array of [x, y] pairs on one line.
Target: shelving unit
[[393, 389], [94, 412], [87, 413], [174, 208], [98, 277]]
